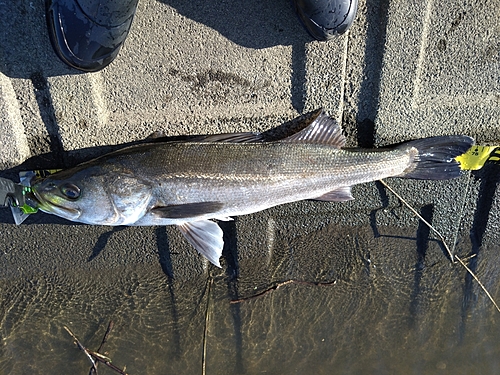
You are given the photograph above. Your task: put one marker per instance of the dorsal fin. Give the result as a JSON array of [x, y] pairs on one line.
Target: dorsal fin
[[323, 130], [243, 137], [246, 137]]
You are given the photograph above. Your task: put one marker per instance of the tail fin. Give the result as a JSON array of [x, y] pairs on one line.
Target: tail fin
[[436, 157]]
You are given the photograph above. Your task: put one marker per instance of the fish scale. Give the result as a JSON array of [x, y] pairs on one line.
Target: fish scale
[[245, 183], [190, 183]]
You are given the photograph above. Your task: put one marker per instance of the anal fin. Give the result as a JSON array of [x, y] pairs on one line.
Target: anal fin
[[206, 238], [341, 194]]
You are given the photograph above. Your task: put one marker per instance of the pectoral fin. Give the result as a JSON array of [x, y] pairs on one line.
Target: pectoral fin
[[187, 210], [206, 238], [341, 194]]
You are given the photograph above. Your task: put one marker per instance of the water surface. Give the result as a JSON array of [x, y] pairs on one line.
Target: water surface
[[362, 304]]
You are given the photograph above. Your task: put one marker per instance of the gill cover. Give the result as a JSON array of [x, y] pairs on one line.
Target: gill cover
[[94, 198]]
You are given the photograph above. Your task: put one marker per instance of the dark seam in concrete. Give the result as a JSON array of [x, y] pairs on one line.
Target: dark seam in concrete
[[232, 271], [298, 77], [47, 113], [423, 231], [369, 93], [166, 265]]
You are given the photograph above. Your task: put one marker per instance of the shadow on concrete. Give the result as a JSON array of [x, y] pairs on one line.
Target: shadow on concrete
[[373, 214], [489, 176], [252, 24], [165, 260], [102, 242], [423, 232], [25, 48], [369, 93], [164, 253], [230, 253], [47, 113], [298, 76], [255, 24]]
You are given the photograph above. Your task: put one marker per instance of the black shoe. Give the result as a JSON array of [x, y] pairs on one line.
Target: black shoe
[[87, 34], [326, 18]]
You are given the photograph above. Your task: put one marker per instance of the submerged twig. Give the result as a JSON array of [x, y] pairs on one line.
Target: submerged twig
[[106, 334], [279, 285], [479, 282], [95, 357], [107, 361], [205, 330], [93, 369], [443, 241], [82, 348]]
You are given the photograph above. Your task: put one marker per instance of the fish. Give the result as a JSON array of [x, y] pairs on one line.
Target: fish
[[194, 184]]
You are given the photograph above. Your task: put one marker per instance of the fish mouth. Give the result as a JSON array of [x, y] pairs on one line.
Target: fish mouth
[[49, 205]]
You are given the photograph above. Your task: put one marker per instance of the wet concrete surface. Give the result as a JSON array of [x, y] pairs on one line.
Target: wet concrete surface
[[335, 298]]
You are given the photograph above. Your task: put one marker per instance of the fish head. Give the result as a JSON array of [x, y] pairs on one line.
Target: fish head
[[93, 196]]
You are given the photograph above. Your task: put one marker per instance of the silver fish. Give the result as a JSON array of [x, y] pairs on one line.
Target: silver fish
[[188, 184]]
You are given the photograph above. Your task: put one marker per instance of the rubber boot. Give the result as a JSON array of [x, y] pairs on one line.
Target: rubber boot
[[324, 19], [88, 34]]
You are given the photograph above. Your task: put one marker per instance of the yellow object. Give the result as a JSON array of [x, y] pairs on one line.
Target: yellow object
[[42, 173], [495, 156], [476, 156]]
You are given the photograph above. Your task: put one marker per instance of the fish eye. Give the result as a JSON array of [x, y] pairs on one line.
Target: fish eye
[[71, 191]]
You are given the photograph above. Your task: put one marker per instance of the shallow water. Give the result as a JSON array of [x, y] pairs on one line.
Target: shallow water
[[362, 304]]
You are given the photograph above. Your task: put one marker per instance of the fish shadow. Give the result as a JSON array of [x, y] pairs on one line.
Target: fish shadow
[[102, 241]]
